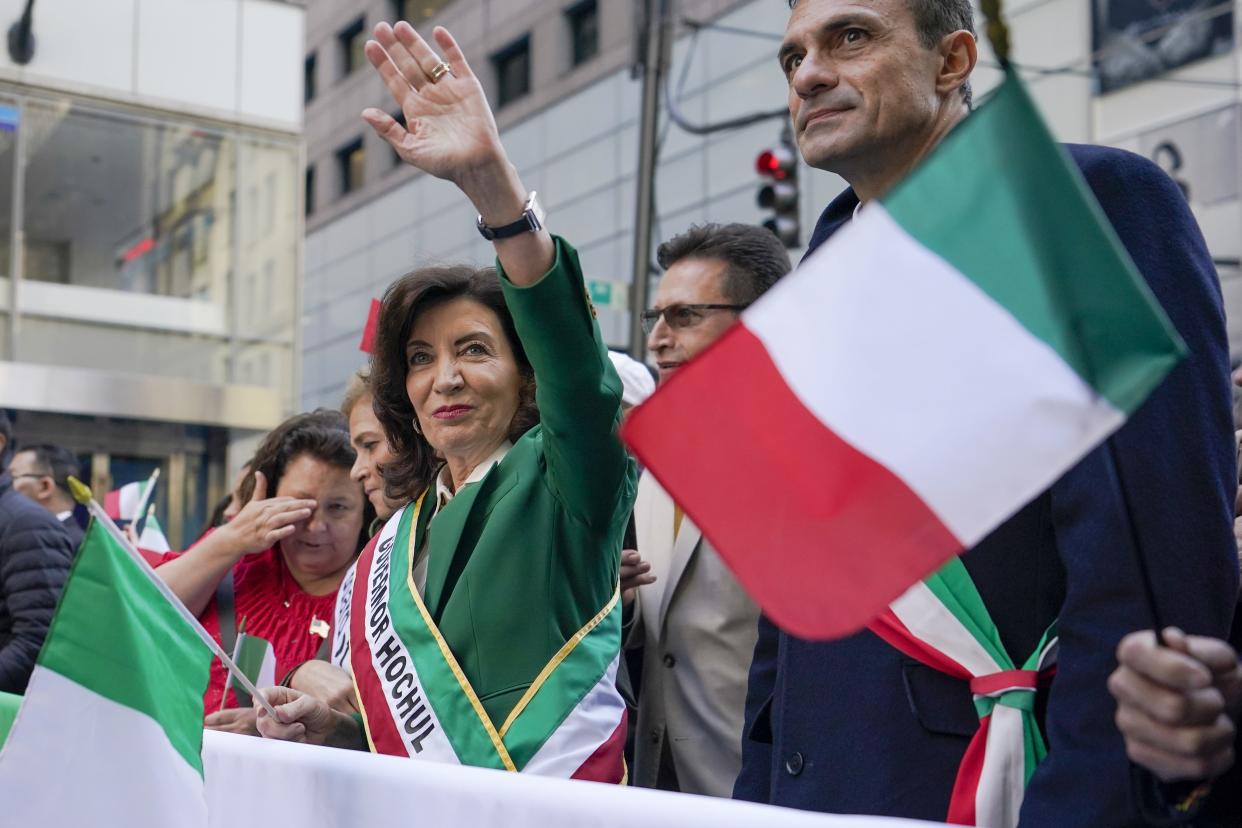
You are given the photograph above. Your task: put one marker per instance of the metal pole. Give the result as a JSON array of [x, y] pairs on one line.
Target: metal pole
[[653, 35], [17, 234]]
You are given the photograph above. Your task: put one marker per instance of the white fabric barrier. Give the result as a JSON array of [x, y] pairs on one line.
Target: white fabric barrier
[[259, 782]]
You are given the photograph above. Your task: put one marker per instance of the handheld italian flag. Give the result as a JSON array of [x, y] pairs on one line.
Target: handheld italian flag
[[934, 366], [115, 704], [938, 363], [257, 661], [130, 504]]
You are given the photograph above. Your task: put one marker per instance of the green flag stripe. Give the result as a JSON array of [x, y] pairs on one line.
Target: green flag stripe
[[1000, 201], [116, 635], [567, 685], [953, 587], [461, 724]]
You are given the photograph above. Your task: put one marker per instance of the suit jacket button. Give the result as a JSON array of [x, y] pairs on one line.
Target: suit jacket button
[[655, 736], [793, 765], [669, 660]]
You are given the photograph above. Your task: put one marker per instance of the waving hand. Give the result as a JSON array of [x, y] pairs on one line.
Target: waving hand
[[450, 132]]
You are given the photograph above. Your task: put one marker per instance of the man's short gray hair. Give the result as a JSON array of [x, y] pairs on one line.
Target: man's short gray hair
[[933, 19]]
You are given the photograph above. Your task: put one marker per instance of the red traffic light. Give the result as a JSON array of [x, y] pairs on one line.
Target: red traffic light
[[776, 163]]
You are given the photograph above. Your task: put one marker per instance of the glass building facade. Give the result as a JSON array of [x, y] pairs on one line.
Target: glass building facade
[[149, 271]]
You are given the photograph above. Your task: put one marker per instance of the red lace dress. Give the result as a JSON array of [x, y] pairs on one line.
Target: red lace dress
[[275, 608]]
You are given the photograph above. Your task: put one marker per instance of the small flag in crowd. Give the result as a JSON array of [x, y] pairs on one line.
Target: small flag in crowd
[[928, 371], [153, 538], [254, 657], [111, 728], [367, 345], [131, 505]]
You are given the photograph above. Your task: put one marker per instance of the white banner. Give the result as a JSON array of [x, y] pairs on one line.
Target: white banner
[[253, 781]]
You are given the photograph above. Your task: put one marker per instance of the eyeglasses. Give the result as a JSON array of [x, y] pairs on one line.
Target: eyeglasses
[[20, 476], [682, 316]]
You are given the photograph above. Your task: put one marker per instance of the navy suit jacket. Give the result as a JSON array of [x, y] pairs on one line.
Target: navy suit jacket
[[853, 726]]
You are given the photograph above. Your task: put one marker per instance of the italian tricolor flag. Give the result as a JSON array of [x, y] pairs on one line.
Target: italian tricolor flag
[[111, 728], [928, 371]]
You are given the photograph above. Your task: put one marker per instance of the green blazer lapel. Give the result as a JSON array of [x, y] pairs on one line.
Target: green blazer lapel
[[446, 530]]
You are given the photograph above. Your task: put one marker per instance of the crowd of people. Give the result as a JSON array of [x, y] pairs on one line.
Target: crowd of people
[[464, 564]]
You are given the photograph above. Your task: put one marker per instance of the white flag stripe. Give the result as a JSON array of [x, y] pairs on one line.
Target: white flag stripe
[[56, 771], [131, 496], [591, 723], [1002, 780], [929, 620], [887, 344]]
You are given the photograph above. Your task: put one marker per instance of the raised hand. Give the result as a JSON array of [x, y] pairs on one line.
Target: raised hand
[[264, 520], [449, 132]]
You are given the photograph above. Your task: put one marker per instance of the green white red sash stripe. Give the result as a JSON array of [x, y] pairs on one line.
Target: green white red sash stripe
[[942, 622], [417, 702]]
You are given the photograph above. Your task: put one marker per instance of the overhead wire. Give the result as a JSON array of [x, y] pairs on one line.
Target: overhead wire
[[1071, 69]]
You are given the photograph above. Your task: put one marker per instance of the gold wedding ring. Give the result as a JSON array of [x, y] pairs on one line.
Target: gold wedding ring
[[441, 69]]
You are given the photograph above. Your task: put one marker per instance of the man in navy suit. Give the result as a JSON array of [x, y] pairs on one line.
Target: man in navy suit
[[853, 726]]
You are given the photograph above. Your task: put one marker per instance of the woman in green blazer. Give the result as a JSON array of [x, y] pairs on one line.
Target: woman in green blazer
[[483, 625]]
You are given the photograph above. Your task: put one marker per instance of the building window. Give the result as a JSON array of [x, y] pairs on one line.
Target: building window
[[352, 39], [352, 161], [308, 79], [583, 31], [512, 65], [415, 12], [310, 190]]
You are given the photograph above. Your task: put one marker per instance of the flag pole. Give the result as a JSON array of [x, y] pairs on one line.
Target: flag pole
[[82, 494], [140, 519], [998, 36], [1140, 558]]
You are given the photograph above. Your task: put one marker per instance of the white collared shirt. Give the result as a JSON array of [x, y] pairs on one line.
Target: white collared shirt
[[65, 515], [443, 495]]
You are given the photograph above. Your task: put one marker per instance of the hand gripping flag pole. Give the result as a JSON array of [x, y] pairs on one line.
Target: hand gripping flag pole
[[82, 494], [998, 36]]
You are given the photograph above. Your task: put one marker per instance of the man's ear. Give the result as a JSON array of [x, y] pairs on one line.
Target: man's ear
[[958, 55], [46, 488]]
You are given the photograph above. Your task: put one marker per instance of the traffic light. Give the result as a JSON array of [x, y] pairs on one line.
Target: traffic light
[[780, 193]]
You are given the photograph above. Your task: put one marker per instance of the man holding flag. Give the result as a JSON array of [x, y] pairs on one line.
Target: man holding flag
[[979, 694]]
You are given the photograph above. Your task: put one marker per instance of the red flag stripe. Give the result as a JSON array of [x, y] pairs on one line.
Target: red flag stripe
[[804, 535], [966, 786], [367, 345], [380, 724], [1004, 680], [606, 764], [889, 627], [112, 504]]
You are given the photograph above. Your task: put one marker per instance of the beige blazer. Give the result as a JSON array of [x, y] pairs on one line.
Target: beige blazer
[[699, 630]]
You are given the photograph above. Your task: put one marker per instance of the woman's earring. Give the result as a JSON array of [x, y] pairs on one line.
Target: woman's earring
[[417, 430]]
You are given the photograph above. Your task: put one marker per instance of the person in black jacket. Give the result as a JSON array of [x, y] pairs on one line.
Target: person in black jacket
[[853, 726], [35, 553]]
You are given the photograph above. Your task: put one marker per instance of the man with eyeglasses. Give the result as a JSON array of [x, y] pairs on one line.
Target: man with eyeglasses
[[42, 474], [696, 625]]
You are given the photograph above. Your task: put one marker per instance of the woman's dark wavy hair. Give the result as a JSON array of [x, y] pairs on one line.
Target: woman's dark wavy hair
[[324, 435], [415, 462]]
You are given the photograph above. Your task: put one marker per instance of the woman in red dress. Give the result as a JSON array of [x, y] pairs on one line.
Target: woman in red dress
[[280, 560]]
